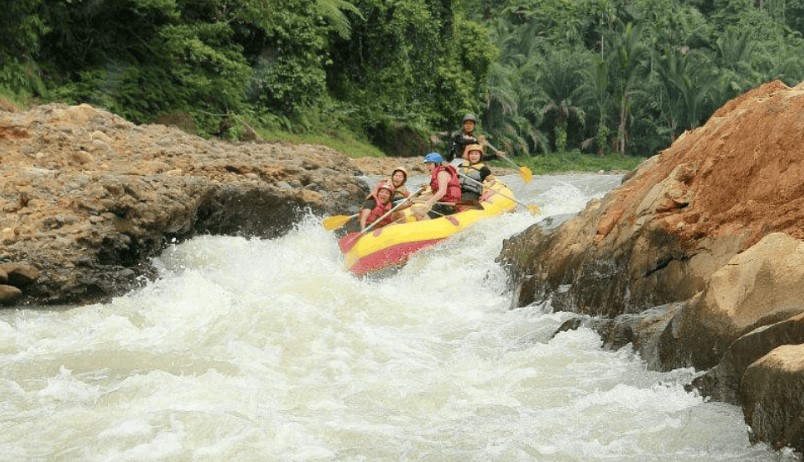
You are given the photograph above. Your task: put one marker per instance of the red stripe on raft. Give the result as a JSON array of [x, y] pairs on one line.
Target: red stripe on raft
[[391, 256]]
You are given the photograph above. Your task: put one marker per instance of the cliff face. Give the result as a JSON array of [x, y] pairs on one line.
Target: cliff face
[[87, 197], [700, 247]]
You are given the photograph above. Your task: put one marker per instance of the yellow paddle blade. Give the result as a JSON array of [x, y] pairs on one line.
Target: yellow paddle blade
[[526, 174], [534, 209], [336, 221]]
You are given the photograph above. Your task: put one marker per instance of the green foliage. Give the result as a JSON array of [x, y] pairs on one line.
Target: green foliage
[[21, 30], [543, 75]]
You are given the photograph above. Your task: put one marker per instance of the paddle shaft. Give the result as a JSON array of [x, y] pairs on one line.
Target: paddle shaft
[[504, 157]]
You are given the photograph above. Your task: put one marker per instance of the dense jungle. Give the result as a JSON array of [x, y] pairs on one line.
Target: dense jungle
[[370, 77]]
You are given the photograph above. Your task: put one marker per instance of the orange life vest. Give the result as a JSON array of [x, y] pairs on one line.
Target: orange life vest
[[453, 187]]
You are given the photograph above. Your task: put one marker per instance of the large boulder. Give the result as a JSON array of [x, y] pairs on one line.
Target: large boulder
[[697, 259], [759, 287], [87, 197], [771, 393], [679, 217]]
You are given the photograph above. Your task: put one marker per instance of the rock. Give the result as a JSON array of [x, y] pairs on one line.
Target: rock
[[9, 294], [80, 157], [642, 331], [771, 394], [714, 226], [679, 217], [83, 185], [758, 287], [723, 382], [7, 235], [18, 274]]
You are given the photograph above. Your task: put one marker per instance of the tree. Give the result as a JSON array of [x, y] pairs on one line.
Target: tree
[[21, 31], [625, 52], [688, 81], [596, 88], [561, 81]]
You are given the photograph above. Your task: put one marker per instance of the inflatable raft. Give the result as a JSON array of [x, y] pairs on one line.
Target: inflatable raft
[[392, 245]]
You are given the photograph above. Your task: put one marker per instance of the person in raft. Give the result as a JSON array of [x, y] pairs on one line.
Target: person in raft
[[376, 205], [445, 189], [463, 137], [468, 135], [398, 178], [472, 168]]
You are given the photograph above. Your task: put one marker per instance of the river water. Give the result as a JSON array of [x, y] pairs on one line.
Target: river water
[[266, 350]]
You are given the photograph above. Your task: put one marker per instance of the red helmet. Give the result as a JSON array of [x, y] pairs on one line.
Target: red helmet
[[385, 185]]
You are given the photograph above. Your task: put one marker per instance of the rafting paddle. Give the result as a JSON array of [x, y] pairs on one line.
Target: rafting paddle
[[534, 209], [524, 172], [348, 241], [336, 221]]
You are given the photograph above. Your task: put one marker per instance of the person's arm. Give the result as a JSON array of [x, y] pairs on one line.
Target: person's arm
[[485, 174], [368, 206]]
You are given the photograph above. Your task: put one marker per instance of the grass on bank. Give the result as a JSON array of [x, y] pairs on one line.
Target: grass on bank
[[543, 164]]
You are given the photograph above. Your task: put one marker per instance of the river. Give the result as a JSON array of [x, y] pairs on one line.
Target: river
[[266, 350]]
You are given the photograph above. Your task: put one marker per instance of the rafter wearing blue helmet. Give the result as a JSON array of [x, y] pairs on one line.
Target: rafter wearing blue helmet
[[445, 186]]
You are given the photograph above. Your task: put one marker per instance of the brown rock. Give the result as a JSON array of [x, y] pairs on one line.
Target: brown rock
[[679, 217], [88, 197], [723, 382], [772, 388], [715, 225], [18, 274], [9, 294], [757, 287]]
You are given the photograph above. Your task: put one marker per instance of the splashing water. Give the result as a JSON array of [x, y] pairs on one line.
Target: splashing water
[[267, 350]]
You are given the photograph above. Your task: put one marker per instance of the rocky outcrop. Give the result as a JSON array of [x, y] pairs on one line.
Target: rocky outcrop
[[759, 287], [87, 197], [697, 259]]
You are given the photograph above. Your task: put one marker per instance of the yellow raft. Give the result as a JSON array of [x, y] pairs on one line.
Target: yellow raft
[[392, 245]]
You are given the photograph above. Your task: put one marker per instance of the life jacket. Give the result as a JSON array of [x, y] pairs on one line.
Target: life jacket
[[400, 193], [378, 211], [472, 171], [453, 187]]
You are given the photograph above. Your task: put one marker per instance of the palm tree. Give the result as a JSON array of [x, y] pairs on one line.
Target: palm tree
[[625, 52], [596, 87], [510, 100], [688, 79], [333, 12], [561, 81]]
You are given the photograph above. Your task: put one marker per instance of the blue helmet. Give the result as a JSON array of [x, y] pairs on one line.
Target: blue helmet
[[434, 158]]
